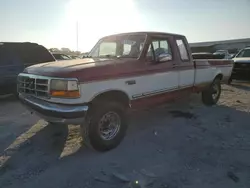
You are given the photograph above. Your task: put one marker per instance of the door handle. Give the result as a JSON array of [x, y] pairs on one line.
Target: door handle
[[130, 82]]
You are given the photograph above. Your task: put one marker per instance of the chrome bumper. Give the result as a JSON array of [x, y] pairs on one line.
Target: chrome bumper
[[55, 113]]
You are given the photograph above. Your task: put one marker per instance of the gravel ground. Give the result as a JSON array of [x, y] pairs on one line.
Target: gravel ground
[[173, 146]]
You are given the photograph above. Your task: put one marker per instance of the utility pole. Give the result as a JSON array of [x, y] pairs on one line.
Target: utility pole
[[76, 35]]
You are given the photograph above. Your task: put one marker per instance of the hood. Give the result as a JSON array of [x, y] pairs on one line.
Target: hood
[[67, 65], [86, 69], [242, 60]]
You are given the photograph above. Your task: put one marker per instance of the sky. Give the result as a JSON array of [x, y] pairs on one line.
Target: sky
[[53, 23]]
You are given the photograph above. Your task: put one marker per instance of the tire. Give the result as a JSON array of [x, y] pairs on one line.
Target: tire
[[92, 135], [210, 98]]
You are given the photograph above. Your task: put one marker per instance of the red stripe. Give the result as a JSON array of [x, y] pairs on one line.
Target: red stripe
[[221, 62], [160, 98]]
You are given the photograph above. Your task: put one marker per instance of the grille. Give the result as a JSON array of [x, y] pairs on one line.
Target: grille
[[33, 86]]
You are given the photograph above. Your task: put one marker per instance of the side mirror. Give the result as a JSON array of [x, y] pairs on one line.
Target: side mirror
[[164, 57]]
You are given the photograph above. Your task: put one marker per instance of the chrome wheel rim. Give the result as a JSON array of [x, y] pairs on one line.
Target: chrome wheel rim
[[109, 125], [215, 93]]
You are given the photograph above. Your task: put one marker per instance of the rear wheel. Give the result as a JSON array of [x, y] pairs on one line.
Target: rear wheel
[[212, 94], [105, 126]]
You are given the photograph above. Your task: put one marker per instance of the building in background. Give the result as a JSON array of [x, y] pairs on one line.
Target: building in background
[[231, 45]]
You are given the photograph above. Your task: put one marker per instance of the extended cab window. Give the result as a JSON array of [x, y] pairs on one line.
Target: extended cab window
[[182, 49], [159, 48]]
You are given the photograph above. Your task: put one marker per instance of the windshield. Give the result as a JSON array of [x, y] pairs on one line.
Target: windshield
[[127, 46], [244, 53]]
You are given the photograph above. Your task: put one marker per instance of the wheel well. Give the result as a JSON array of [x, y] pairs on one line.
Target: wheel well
[[118, 96], [220, 76]]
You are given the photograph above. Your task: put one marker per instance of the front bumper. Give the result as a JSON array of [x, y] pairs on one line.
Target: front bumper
[[55, 113]]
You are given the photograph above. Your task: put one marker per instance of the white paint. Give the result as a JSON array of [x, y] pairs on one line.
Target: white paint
[[144, 84], [226, 70], [147, 84], [186, 77], [204, 75]]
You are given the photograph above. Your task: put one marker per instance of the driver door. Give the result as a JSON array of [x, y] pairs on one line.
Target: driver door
[[162, 79]]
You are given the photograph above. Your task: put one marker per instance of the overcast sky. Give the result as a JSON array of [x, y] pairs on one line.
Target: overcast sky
[[52, 23]]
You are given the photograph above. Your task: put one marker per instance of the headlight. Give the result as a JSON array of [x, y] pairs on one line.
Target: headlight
[[64, 88]]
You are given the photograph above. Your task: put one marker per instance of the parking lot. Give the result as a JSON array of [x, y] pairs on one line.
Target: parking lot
[[181, 145]]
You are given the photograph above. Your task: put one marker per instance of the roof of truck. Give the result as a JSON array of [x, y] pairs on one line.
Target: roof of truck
[[146, 33]]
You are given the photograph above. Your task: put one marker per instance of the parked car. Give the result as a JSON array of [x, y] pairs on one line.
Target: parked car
[[241, 70], [61, 56], [14, 57], [75, 56], [125, 71], [224, 53]]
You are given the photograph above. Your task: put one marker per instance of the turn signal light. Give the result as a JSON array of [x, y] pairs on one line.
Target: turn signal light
[[67, 94]]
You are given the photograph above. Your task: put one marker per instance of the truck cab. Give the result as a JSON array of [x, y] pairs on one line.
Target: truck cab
[[122, 72]]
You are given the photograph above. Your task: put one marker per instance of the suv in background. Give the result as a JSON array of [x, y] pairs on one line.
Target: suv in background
[[241, 70], [14, 58]]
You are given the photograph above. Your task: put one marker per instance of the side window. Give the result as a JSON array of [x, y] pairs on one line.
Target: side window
[[131, 48], [126, 49], [182, 49], [155, 44], [159, 47]]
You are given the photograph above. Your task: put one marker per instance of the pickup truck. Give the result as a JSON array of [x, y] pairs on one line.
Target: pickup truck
[[124, 71]]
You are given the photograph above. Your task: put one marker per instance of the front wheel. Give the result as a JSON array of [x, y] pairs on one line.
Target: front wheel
[[212, 94], [105, 126]]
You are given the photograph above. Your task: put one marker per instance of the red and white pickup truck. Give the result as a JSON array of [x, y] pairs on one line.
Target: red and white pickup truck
[[123, 71]]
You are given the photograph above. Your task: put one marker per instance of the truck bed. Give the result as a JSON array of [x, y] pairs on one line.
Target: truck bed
[[203, 69]]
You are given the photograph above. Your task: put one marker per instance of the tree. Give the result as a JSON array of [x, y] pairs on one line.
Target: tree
[[54, 50]]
